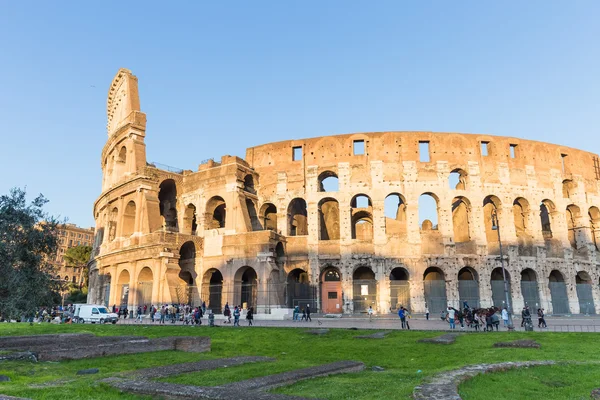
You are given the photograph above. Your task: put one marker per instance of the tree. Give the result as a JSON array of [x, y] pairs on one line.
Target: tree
[[78, 257], [28, 240]]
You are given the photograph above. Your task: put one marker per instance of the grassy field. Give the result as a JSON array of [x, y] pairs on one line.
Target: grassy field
[[407, 363]]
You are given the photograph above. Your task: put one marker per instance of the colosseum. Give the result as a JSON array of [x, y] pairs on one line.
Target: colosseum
[[382, 219]]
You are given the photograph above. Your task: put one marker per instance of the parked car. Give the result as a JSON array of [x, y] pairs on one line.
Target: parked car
[[94, 313]]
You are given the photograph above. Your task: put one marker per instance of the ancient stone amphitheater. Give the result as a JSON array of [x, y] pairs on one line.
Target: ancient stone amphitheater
[[346, 222]]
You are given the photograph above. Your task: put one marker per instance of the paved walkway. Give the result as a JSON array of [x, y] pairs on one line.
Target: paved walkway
[[555, 324]]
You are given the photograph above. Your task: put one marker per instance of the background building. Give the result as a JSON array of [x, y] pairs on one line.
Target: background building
[[70, 235], [335, 222]]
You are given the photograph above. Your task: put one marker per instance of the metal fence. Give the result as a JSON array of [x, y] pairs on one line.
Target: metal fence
[[435, 296]]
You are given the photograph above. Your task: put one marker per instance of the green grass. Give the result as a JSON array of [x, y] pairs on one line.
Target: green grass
[[399, 353], [556, 382]]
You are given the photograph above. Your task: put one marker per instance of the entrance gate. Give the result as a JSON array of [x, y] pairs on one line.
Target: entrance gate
[[331, 291]]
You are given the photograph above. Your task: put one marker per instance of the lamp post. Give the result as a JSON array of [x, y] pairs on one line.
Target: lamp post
[[496, 227]]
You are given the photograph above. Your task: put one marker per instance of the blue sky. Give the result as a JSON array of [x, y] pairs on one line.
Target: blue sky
[[218, 77]]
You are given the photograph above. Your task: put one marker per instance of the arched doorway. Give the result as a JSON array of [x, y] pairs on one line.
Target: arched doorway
[[212, 290], [558, 292], [248, 287], [584, 293], [468, 287], [123, 288], [106, 281], [529, 289], [434, 288], [144, 288], [187, 263], [364, 289], [299, 290], [399, 289], [331, 291], [497, 283]]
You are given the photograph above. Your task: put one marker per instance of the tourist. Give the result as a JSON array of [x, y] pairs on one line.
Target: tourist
[[370, 312], [303, 315], [152, 312], [426, 312], [308, 313], [402, 317], [203, 307], [525, 314], [461, 318], [495, 320], [227, 313], [541, 320], [250, 316], [114, 308], [163, 314], [488, 320], [138, 316], [236, 316], [406, 317], [505, 316], [451, 315], [296, 313]]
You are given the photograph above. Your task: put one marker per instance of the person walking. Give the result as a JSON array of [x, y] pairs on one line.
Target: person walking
[[227, 313], [495, 320], [451, 315], [138, 316], [505, 316], [541, 320], [303, 314], [236, 316], [370, 311], [203, 307], [406, 317], [250, 316], [402, 317], [152, 312], [308, 313], [296, 313], [426, 313]]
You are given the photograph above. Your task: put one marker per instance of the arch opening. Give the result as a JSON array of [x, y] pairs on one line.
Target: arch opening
[[434, 287], [399, 289], [129, 219], [249, 184], [594, 218], [216, 213], [491, 206], [329, 219], [328, 182], [189, 220], [498, 294], [331, 291], [461, 209], [468, 287], [268, 216], [144, 287], [364, 287], [558, 293], [458, 179], [248, 281], [583, 285], [395, 215], [167, 197], [530, 289], [212, 290], [572, 216], [123, 288], [428, 212], [299, 290], [546, 207], [297, 218]]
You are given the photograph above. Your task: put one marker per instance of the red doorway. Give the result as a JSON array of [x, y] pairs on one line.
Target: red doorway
[[331, 291]]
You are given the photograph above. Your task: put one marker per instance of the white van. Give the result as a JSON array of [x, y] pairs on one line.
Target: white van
[[94, 313]]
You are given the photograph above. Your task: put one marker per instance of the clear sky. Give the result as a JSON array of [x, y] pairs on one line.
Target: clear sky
[[218, 77]]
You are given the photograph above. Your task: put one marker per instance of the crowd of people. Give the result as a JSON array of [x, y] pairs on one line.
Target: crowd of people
[[184, 313], [486, 319]]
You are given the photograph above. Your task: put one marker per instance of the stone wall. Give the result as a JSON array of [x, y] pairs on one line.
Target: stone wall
[[347, 207]]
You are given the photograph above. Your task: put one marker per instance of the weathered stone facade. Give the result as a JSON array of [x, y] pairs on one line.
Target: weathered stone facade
[[271, 231]]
